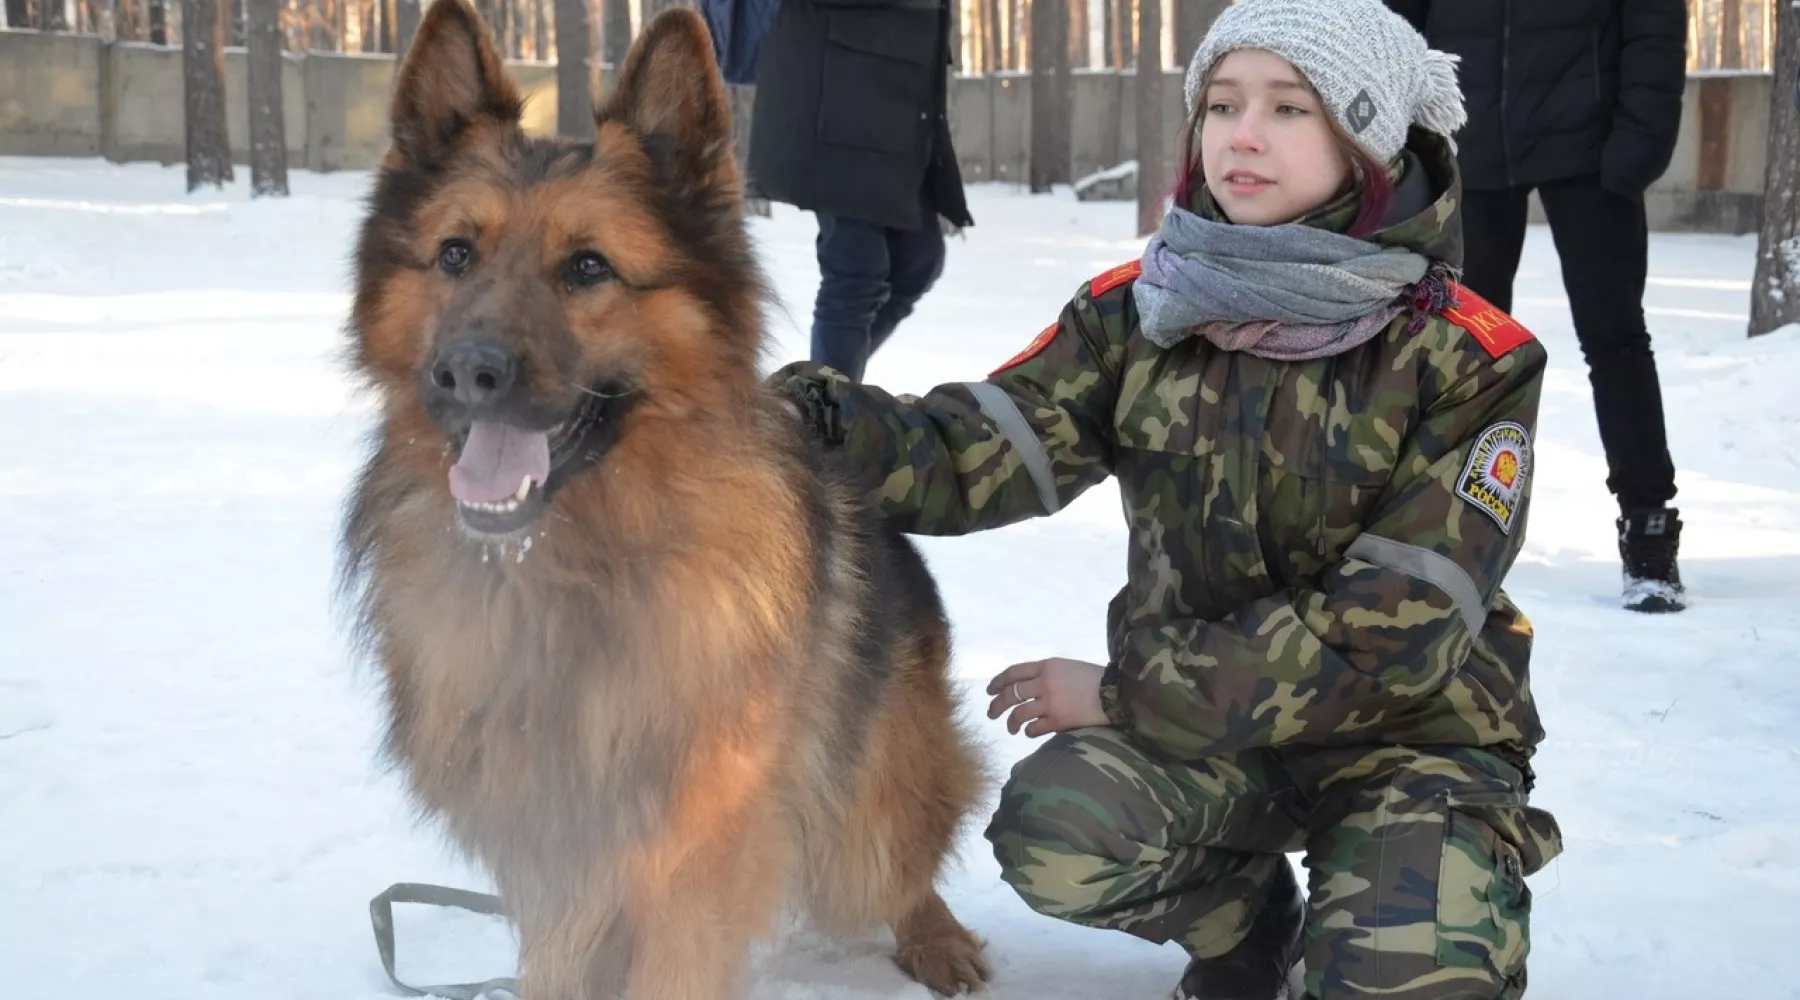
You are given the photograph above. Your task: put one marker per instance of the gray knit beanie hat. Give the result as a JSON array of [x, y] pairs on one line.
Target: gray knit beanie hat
[[1371, 68]]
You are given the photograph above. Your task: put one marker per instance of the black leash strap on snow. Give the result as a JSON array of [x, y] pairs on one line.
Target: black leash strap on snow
[[381, 912]]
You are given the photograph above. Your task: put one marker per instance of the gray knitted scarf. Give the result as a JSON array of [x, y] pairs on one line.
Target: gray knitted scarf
[[1289, 292]]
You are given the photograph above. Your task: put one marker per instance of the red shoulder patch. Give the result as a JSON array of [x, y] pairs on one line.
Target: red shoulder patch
[[1038, 343], [1109, 280], [1497, 332], [1102, 283]]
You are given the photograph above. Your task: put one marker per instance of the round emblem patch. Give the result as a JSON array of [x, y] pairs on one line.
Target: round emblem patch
[[1498, 470]]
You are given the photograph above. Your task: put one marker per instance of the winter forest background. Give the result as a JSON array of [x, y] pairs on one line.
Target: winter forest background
[[1031, 48], [995, 35]]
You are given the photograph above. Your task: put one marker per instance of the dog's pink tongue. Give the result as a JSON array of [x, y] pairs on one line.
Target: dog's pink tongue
[[494, 461]]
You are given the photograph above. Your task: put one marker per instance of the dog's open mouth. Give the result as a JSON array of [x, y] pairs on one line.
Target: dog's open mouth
[[504, 474]]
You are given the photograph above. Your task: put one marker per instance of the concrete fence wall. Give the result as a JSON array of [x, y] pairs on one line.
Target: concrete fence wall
[[990, 121], [76, 95], [1715, 182], [51, 94]]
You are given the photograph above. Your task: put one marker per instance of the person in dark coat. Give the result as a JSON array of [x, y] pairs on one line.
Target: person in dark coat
[[850, 123], [1581, 100]]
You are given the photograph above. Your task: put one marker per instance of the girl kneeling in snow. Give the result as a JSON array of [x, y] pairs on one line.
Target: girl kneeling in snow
[[1325, 452]]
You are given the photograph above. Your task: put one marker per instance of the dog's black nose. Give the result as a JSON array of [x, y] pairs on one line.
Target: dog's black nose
[[474, 372]]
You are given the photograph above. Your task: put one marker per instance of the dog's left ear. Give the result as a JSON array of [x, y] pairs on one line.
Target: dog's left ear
[[671, 94]]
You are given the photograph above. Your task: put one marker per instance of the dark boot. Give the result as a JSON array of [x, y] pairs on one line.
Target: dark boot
[[1649, 541], [1257, 969]]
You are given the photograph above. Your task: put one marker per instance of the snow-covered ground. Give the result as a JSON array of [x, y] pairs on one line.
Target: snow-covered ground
[[189, 802]]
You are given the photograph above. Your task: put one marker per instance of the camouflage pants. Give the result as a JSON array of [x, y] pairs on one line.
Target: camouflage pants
[[1417, 857]]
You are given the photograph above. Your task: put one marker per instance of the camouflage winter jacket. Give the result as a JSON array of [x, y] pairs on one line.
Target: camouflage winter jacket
[[1316, 547]]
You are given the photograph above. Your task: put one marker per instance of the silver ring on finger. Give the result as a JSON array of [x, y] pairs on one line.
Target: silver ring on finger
[[1017, 697]]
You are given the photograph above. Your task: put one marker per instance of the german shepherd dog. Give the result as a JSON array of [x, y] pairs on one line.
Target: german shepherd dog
[[650, 659]]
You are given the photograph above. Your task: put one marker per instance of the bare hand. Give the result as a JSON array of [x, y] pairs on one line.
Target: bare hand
[[1048, 696]]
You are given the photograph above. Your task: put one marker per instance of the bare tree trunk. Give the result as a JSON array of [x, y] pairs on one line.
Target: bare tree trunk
[[997, 33], [406, 25], [1775, 290], [1731, 35], [1152, 159], [1016, 35], [268, 134], [203, 79], [1009, 34], [616, 33], [1051, 115], [1192, 19], [574, 70], [1078, 34], [1124, 33], [991, 34], [129, 20]]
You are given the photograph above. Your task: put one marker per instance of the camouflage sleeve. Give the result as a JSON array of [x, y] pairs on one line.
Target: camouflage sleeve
[[1320, 663], [968, 456]]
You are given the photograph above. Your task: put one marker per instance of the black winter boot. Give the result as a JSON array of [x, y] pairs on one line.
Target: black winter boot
[[1649, 541], [1257, 969]]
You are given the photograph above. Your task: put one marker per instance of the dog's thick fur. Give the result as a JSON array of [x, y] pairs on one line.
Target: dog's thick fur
[[703, 684]]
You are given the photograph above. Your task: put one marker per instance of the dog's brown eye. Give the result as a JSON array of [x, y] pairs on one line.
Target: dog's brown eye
[[455, 256], [585, 270]]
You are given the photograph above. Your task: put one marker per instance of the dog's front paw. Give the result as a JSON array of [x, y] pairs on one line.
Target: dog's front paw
[[949, 965]]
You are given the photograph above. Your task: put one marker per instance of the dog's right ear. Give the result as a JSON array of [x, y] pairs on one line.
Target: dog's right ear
[[452, 77], [670, 93]]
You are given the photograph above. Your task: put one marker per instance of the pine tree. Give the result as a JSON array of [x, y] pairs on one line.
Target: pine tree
[[1775, 291], [203, 84], [268, 134]]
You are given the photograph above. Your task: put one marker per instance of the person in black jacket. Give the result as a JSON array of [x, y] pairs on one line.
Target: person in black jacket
[[1581, 100], [850, 123]]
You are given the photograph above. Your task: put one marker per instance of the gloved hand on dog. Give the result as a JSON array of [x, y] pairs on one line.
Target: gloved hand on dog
[[812, 388]]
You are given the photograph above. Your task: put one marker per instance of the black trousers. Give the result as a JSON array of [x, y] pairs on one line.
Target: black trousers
[[871, 277], [1603, 241]]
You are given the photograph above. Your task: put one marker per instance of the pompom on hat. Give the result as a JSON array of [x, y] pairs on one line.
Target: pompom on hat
[[1373, 71]]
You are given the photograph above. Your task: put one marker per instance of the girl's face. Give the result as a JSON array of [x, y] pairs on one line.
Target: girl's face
[[1266, 146]]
